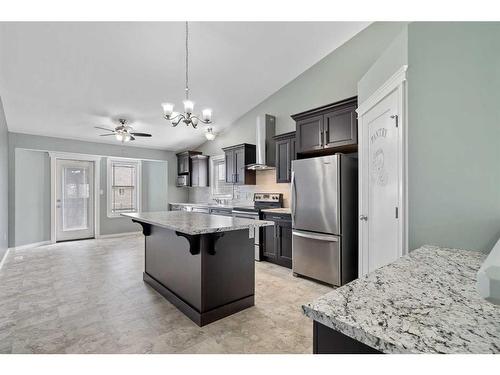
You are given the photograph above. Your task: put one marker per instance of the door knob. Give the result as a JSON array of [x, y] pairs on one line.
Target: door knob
[[363, 217]]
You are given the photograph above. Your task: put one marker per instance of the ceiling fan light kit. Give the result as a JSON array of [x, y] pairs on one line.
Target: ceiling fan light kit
[[209, 134], [123, 132], [187, 117]]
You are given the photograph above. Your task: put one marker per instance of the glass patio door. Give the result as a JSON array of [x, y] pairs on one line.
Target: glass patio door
[[74, 200]]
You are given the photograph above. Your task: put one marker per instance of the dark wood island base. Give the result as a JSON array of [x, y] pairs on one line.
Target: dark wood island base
[[206, 276], [329, 341]]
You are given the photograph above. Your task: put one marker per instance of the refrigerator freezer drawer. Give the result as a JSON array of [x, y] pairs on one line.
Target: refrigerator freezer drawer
[[316, 256]]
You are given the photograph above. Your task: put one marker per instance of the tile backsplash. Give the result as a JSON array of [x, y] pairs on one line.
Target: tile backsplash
[[243, 194]]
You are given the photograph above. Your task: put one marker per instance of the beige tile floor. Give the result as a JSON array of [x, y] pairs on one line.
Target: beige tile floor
[[89, 297]]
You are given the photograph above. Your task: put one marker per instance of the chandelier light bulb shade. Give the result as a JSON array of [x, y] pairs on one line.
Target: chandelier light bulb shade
[[188, 106], [168, 109], [119, 137], [206, 115], [188, 117]]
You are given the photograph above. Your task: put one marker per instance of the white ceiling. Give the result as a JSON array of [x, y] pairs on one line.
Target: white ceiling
[[61, 79]]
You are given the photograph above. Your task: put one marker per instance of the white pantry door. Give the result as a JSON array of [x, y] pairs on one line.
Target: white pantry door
[[381, 179], [74, 199]]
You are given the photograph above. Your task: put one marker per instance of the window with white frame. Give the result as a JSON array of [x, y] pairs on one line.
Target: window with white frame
[[123, 186], [220, 189]]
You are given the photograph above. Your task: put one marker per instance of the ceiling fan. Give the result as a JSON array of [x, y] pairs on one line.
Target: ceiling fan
[[123, 132]]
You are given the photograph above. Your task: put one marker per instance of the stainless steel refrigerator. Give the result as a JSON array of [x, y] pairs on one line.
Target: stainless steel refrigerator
[[324, 218]]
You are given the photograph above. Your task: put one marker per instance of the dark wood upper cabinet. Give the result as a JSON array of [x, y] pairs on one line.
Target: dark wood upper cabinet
[[199, 172], [341, 127], [332, 127], [239, 163], [185, 164], [229, 163], [237, 157], [310, 134], [285, 153]]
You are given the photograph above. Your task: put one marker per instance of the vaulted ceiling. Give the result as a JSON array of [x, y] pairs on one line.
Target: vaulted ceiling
[[62, 79]]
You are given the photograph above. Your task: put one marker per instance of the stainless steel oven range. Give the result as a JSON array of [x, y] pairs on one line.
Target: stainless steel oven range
[[261, 201]]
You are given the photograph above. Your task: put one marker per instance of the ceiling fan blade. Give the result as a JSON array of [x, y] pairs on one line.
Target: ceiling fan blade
[[104, 135], [100, 127], [141, 134], [132, 138]]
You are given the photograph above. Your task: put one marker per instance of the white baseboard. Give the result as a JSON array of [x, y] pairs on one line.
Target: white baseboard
[[114, 235], [30, 245], [4, 258]]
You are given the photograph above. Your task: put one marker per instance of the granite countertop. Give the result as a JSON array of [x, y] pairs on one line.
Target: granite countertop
[[211, 205], [425, 302], [195, 223], [283, 210]]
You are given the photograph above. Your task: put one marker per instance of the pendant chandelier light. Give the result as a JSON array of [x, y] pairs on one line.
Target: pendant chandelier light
[[188, 117]]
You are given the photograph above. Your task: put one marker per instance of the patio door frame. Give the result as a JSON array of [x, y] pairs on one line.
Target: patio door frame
[[54, 156]]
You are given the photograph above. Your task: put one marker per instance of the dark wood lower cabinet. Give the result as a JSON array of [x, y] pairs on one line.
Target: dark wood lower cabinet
[[277, 246], [329, 341]]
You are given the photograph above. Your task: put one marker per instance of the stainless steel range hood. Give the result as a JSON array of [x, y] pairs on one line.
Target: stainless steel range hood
[[265, 147]]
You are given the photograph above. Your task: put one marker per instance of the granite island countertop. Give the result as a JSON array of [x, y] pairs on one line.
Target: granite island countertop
[[425, 302], [195, 223]]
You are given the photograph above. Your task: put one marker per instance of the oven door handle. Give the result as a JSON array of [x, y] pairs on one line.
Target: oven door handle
[[245, 214], [316, 236]]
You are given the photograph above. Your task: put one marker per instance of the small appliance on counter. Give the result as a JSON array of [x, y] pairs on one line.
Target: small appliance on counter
[[324, 218], [260, 201]]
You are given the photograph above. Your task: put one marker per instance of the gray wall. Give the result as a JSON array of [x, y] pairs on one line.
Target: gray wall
[[333, 78], [4, 178], [21, 183], [393, 58], [154, 183], [454, 134], [32, 198]]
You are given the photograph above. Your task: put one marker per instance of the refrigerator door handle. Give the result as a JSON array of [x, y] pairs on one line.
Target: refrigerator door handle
[[294, 193], [316, 236]]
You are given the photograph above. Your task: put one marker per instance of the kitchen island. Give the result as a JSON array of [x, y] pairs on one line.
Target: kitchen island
[[425, 302], [201, 263]]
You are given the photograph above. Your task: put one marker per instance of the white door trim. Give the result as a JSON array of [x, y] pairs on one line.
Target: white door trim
[[397, 82], [54, 156]]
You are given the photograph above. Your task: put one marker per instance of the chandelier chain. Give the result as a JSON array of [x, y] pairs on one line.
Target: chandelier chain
[[188, 117], [187, 60]]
